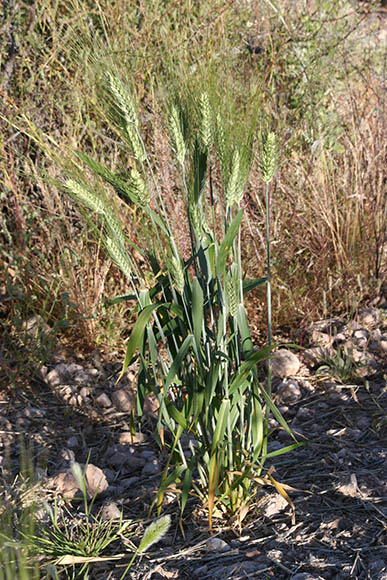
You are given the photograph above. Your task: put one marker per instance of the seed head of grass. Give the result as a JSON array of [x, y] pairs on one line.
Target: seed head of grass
[[206, 131], [176, 131], [268, 160]]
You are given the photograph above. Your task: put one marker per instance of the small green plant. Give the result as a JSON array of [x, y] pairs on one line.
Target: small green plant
[[341, 366], [70, 540]]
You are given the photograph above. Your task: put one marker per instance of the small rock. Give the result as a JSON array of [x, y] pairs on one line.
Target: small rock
[[284, 364], [103, 401], [127, 460], [369, 317], [110, 511], [151, 468], [363, 422], [85, 392], [67, 455], [126, 438], [200, 572], [320, 338], [289, 391], [130, 482], [36, 326], [121, 401], [74, 368], [274, 505], [64, 484], [82, 378], [383, 345], [340, 338], [72, 442], [360, 338], [33, 412], [54, 378], [216, 545], [146, 454], [95, 480], [313, 356]]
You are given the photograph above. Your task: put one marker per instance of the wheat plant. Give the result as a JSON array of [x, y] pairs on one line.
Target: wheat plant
[[191, 339]]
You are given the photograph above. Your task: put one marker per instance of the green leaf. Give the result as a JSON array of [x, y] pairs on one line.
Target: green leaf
[[177, 362], [176, 415], [243, 325], [246, 367], [227, 243], [137, 335], [197, 310], [249, 285], [221, 424]]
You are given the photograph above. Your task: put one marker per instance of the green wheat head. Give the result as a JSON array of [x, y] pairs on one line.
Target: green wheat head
[[84, 196], [176, 272], [206, 130], [177, 136], [268, 160], [124, 113]]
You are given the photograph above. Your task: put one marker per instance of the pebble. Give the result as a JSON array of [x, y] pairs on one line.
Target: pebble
[[289, 391], [200, 572], [216, 545], [121, 401], [67, 455], [360, 338], [111, 511], [72, 442], [151, 468], [369, 316], [53, 378], [284, 364], [103, 401]]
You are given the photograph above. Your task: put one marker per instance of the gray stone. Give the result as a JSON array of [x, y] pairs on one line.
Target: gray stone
[[360, 338], [289, 391], [216, 545], [152, 467], [274, 505], [103, 401], [369, 316], [74, 368], [72, 442], [284, 364], [36, 326], [121, 401], [313, 356], [54, 378], [110, 511]]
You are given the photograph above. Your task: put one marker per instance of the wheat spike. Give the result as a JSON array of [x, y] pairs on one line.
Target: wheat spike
[[83, 195], [125, 106], [122, 99], [268, 160], [206, 132], [177, 274], [138, 188], [233, 188], [119, 256], [232, 293], [177, 135]]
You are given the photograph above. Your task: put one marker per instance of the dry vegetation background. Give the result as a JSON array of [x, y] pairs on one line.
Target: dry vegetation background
[[316, 71]]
